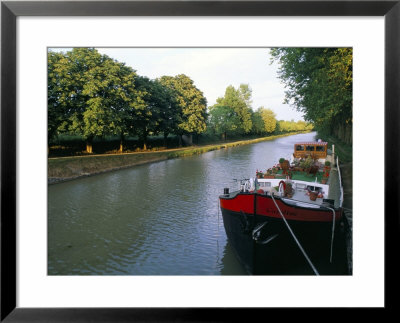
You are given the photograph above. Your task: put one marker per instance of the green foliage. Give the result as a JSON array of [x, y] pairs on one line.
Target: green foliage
[[269, 118], [307, 162], [223, 120], [240, 101], [147, 118], [92, 94], [319, 84], [283, 126], [191, 102], [258, 123]]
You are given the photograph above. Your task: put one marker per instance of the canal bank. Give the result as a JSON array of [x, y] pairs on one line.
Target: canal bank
[[68, 168]]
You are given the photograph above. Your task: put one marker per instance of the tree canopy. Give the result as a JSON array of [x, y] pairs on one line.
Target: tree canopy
[[91, 93], [223, 120], [318, 82], [191, 102], [94, 96], [240, 101], [269, 118]]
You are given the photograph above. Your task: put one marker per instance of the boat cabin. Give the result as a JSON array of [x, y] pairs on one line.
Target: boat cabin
[[317, 150]]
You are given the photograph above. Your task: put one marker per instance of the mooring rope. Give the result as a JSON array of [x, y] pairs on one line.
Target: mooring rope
[[294, 237], [219, 206], [218, 231]]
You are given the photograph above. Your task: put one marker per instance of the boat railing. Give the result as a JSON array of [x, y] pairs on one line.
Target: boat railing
[[340, 182]]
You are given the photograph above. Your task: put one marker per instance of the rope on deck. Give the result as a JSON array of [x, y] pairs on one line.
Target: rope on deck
[[294, 237]]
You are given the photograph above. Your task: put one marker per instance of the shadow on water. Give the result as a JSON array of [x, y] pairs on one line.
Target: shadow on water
[[229, 263]]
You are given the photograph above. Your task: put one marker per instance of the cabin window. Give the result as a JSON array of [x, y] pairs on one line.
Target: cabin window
[[320, 148], [265, 184], [309, 148], [314, 188], [299, 148]]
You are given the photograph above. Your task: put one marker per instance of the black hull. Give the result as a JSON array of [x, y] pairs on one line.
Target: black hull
[[273, 250]]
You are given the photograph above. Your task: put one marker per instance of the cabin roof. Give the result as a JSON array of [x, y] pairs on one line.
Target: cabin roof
[[322, 143]]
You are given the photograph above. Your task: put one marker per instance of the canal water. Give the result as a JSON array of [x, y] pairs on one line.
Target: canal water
[[155, 219]]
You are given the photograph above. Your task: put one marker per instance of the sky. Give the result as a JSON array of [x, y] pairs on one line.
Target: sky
[[213, 70]]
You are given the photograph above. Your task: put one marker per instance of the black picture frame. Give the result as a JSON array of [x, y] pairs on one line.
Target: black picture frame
[[10, 10]]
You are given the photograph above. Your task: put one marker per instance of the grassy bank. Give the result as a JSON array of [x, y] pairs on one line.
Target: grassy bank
[[68, 168], [343, 150]]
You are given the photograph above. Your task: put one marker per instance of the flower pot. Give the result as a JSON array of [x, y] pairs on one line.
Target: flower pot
[[313, 196], [269, 176], [285, 166]]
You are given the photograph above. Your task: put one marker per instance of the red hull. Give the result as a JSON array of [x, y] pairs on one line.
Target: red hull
[[265, 206], [262, 241]]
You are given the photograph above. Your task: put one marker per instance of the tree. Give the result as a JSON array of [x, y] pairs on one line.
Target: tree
[[147, 117], [258, 123], [240, 101], [319, 83], [269, 118], [169, 112], [97, 94], [223, 120], [57, 107], [191, 102]]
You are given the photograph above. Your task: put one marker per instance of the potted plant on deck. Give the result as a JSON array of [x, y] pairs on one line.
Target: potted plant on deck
[[284, 165], [327, 168], [313, 195], [289, 190], [306, 164], [269, 174]]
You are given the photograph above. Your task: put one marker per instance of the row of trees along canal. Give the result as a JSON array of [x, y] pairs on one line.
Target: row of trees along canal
[[319, 83], [91, 96]]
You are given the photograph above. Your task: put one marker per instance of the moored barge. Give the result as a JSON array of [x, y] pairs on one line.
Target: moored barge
[[289, 220]]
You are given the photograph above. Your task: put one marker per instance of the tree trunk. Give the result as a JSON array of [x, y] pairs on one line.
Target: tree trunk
[[180, 140], [165, 139], [121, 144], [145, 142], [89, 145]]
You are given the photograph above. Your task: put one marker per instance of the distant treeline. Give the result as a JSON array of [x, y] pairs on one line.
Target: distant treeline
[[92, 97]]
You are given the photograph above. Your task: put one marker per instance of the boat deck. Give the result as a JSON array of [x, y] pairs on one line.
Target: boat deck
[[334, 186], [300, 194], [300, 198], [303, 176]]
